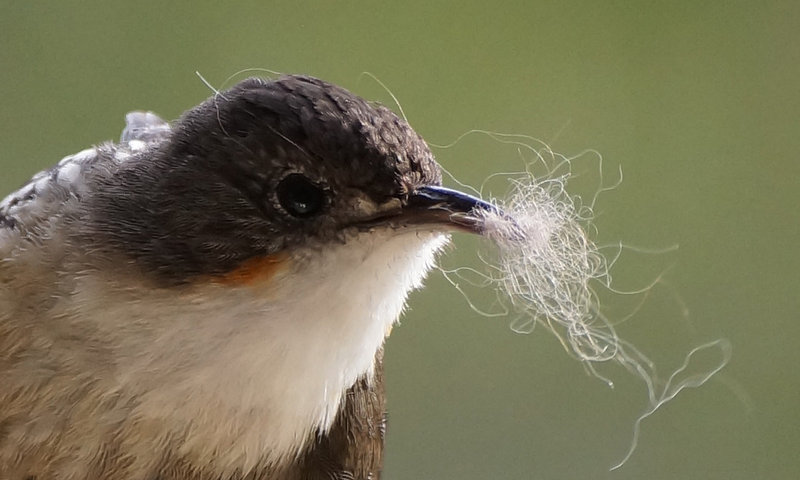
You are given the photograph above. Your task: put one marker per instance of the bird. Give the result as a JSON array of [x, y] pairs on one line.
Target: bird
[[208, 299]]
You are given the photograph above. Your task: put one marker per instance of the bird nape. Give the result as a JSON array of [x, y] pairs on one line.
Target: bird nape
[[180, 304]]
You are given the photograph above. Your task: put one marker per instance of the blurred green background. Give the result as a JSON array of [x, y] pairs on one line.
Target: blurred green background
[[697, 101]]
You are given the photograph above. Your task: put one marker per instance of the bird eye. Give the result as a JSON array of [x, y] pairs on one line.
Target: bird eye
[[299, 196]]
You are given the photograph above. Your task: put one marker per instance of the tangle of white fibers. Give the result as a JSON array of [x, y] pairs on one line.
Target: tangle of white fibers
[[545, 273], [545, 266]]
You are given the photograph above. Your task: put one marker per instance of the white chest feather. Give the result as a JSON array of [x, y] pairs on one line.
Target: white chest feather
[[252, 370]]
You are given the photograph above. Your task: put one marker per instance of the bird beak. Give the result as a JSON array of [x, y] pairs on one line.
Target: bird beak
[[445, 208]]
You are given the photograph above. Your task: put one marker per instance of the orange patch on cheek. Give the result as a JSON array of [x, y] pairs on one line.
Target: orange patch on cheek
[[256, 270]]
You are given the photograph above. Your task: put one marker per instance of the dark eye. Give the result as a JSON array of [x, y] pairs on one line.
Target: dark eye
[[299, 196]]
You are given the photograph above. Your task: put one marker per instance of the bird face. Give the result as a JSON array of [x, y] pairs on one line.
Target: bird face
[[215, 287], [266, 168]]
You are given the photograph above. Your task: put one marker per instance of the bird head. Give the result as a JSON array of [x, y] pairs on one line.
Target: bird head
[[270, 168]]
